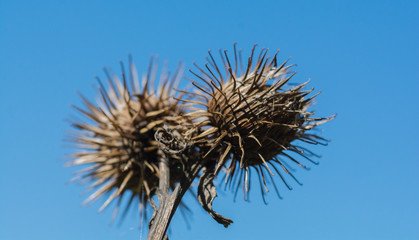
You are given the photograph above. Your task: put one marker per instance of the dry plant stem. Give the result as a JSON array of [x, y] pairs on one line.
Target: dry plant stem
[[168, 203], [164, 181]]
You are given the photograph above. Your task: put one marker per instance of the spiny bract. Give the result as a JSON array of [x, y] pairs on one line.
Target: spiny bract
[[251, 117], [118, 144]]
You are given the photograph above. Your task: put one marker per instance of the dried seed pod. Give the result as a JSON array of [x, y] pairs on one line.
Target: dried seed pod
[[250, 117], [118, 143]]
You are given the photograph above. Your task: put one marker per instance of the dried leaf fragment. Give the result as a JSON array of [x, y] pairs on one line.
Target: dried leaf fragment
[[206, 194]]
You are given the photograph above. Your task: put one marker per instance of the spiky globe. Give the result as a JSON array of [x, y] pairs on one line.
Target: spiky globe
[[118, 142], [252, 117]]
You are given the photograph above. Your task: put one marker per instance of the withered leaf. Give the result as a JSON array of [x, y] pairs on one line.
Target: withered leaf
[[207, 193]]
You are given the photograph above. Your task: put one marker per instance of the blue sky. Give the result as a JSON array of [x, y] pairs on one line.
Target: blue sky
[[363, 55]]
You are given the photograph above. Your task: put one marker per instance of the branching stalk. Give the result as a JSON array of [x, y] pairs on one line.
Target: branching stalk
[[168, 203]]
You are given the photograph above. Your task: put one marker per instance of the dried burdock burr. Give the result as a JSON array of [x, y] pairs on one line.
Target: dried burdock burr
[[144, 141], [118, 142], [252, 117]]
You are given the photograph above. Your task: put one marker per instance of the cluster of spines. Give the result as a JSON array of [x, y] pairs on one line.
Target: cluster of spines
[[119, 142], [251, 119]]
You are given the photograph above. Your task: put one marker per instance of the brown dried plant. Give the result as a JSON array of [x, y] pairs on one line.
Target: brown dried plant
[[118, 143], [252, 118], [145, 141]]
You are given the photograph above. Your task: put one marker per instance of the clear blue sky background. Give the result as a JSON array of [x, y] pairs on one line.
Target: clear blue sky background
[[363, 55]]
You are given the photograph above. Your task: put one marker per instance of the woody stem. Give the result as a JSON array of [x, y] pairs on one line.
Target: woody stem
[[168, 203]]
